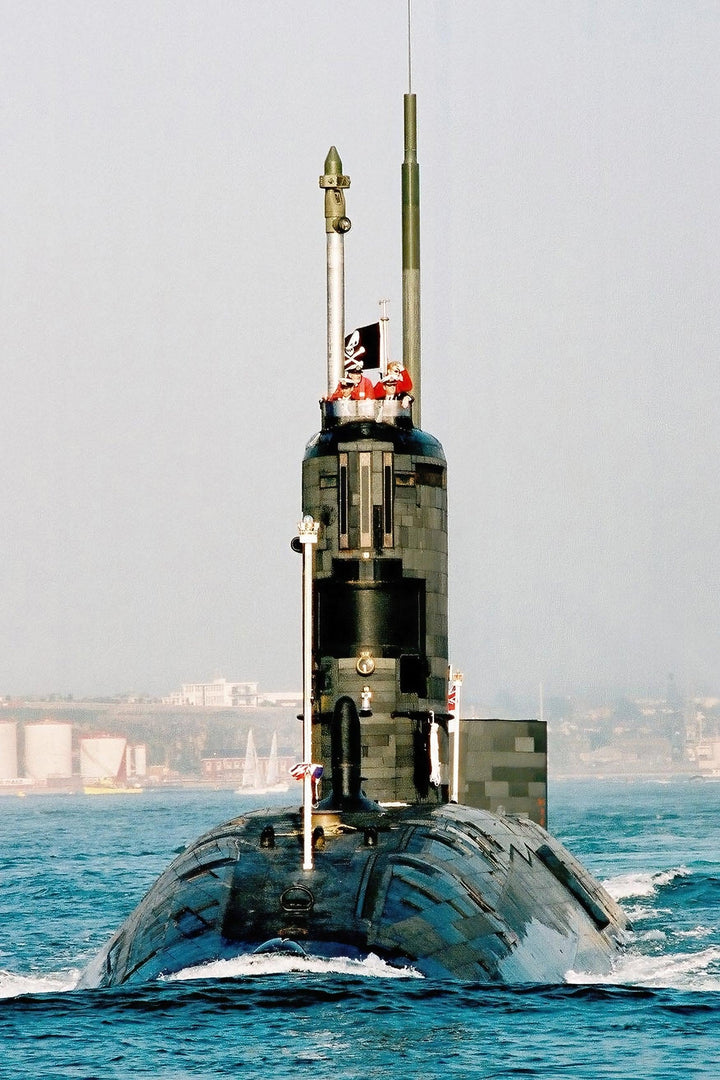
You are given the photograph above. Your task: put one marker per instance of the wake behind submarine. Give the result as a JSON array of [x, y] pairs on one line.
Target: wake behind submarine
[[428, 847]]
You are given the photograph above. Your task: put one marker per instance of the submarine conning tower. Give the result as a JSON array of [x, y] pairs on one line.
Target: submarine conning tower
[[376, 483]]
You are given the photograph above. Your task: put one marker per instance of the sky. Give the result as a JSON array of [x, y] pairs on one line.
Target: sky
[[162, 306]]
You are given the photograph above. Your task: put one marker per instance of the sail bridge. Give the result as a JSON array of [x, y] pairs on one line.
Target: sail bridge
[[344, 410]]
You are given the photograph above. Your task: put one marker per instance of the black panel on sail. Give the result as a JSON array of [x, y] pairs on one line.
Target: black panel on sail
[[387, 616]]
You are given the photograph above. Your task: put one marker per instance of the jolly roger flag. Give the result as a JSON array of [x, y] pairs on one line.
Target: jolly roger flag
[[363, 344]]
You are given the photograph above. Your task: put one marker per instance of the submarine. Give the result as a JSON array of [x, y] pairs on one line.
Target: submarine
[[422, 834]]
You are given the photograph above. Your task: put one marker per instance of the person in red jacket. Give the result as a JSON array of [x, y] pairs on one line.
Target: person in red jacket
[[396, 385], [354, 385]]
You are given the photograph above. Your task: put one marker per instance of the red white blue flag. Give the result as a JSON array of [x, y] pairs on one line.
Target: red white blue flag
[[308, 768]]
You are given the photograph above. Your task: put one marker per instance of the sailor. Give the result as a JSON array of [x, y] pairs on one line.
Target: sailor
[[354, 385], [396, 385]]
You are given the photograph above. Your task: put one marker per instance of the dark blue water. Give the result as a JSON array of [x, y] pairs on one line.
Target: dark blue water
[[72, 867]]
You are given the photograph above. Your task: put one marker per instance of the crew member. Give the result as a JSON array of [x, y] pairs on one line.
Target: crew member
[[354, 385], [396, 385]]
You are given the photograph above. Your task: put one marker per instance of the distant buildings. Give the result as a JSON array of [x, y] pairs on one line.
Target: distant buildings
[[219, 692], [229, 695], [638, 736], [196, 734]]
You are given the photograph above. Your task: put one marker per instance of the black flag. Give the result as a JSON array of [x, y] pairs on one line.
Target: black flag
[[363, 344]]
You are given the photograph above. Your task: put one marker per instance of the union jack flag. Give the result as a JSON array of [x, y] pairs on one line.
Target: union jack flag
[[308, 768], [452, 698], [452, 705]]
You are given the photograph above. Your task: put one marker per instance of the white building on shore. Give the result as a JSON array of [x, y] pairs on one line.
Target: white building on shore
[[219, 692]]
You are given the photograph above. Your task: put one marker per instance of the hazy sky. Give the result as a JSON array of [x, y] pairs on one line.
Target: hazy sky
[[163, 327]]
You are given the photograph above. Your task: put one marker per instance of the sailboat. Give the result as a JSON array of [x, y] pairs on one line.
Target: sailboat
[[251, 767], [274, 779], [106, 762], [253, 782]]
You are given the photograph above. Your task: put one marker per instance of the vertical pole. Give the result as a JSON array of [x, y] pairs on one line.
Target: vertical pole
[[334, 182], [335, 309], [455, 682], [308, 532], [384, 336], [411, 253]]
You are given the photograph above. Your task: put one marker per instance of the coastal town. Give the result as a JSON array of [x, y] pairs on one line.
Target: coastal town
[[231, 734]]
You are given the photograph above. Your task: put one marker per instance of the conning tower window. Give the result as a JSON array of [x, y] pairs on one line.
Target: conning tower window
[[365, 485], [388, 493], [343, 501]]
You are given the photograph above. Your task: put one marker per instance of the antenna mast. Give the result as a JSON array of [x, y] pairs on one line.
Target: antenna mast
[[409, 19], [411, 239]]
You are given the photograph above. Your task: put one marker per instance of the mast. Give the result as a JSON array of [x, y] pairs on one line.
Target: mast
[[336, 225], [411, 251], [307, 541]]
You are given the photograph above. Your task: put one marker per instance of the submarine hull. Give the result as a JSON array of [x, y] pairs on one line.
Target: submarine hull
[[451, 891]]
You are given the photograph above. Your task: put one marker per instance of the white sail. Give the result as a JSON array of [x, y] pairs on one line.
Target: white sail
[[273, 770], [250, 776], [275, 780]]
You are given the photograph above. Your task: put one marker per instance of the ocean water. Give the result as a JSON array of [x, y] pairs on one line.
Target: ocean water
[[72, 868]]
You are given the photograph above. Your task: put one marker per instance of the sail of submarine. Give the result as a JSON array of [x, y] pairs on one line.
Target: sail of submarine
[[457, 881]]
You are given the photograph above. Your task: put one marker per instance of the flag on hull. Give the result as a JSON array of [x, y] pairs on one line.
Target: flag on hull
[[311, 769]]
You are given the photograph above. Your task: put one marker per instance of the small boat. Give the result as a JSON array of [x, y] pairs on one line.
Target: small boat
[[111, 788]]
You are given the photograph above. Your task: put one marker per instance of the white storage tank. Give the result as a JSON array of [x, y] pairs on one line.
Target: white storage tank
[[8, 750], [102, 757], [48, 751]]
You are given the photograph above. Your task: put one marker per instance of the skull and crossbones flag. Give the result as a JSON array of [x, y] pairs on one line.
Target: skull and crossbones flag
[[363, 345]]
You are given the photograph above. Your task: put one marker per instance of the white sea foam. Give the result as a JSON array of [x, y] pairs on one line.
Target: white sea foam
[[651, 935], [637, 912], [677, 971], [281, 964], [696, 932], [13, 985], [642, 883]]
